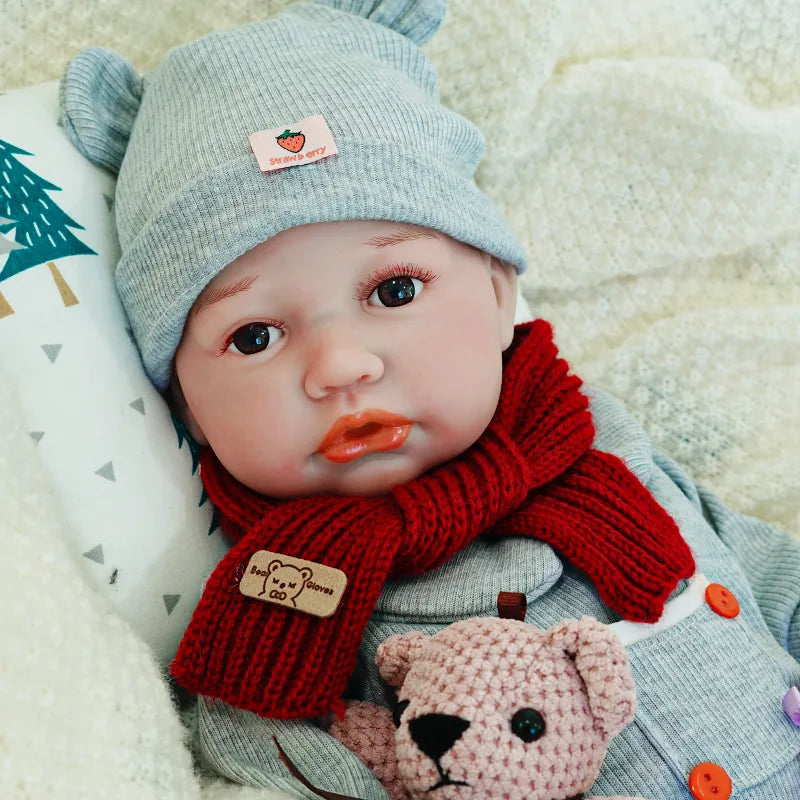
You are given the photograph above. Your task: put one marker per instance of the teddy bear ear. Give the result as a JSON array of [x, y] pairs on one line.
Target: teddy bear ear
[[602, 662], [416, 19], [396, 654], [100, 93]]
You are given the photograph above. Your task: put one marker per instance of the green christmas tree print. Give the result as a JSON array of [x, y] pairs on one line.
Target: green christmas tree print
[[41, 228]]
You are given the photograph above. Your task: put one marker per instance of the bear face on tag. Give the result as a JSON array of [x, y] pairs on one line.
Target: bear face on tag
[[293, 582]]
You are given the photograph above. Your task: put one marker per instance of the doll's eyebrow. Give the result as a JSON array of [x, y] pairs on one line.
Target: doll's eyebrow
[[211, 295], [401, 235]]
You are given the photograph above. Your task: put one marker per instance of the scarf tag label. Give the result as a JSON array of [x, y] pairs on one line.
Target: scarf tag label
[[293, 582]]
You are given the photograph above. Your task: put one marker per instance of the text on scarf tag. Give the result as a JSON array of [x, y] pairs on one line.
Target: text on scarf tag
[[293, 582], [302, 142]]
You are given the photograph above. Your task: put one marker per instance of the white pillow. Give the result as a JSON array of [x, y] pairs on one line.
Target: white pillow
[[140, 524]]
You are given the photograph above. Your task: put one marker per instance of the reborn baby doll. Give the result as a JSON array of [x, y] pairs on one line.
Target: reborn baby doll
[[307, 258]]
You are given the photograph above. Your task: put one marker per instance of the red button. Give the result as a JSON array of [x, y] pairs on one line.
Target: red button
[[709, 781], [722, 600]]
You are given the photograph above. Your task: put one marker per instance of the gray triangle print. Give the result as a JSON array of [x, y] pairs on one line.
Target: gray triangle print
[[52, 351], [36, 436], [109, 201], [170, 601], [138, 404], [7, 245], [95, 554], [106, 471]]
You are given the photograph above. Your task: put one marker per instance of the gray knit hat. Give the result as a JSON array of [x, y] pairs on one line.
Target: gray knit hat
[[191, 196]]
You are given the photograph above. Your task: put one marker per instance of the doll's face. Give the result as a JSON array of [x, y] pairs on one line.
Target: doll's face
[[346, 357]]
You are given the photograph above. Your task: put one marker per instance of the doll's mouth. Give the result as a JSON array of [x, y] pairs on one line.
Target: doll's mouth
[[368, 431]]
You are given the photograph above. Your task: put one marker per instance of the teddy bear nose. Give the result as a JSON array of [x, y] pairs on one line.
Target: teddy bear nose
[[435, 734]]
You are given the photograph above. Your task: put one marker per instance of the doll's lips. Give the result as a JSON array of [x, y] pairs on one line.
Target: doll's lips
[[368, 431]]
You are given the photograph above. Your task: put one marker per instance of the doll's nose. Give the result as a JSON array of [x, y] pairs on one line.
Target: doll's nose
[[340, 364], [435, 734]]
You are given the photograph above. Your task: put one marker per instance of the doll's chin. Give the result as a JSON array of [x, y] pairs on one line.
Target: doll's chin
[[370, 475], [375, 473]]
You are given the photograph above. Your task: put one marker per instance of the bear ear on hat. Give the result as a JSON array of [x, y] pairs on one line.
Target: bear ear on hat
[[100, 94], [416, 19]]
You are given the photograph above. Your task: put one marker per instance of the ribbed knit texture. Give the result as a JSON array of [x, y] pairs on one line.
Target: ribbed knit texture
[[191, 197], [532, 468]]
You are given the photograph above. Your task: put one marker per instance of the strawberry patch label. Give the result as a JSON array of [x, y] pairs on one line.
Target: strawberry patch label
[[302, 142]]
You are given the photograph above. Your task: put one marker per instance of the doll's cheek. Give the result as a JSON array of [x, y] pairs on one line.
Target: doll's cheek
[[194, 428], [180, 407]]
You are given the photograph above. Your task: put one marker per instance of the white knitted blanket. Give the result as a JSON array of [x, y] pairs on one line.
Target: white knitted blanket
[[648, 156]]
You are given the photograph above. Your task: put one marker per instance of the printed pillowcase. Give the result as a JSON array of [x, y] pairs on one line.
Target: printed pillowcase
[[122, 469]]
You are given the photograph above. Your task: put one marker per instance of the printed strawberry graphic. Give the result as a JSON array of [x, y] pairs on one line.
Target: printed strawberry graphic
[[292, 141]]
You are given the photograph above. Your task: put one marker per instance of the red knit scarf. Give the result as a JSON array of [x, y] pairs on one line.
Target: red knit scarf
[[531, 473]]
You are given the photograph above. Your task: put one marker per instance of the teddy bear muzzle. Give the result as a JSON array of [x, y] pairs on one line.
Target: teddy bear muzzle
[[434, 735]]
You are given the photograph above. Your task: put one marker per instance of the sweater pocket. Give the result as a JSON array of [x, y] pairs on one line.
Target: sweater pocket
[[709, 690]]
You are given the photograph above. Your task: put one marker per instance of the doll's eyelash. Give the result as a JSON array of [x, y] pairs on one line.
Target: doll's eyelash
[[367, 287]]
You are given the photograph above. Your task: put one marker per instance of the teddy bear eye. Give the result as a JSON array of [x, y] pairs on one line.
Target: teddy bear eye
[[398, 711], [528, 724]]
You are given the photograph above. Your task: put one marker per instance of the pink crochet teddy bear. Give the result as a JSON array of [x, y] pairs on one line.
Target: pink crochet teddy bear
[[494, 708]]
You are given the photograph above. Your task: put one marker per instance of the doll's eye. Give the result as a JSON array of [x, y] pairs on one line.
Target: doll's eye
[[401, 706], [254, 338], [528, 724], [395, 291]]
